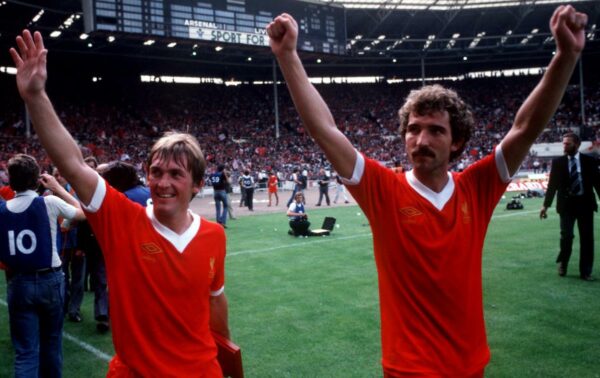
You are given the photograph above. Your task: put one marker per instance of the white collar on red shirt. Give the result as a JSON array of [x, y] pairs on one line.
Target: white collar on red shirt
[[436, 199], [178, 241], [440, 199]]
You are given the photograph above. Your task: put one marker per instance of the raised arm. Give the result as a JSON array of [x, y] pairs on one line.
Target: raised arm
[[567, 26], [30, 61], [315, 115]]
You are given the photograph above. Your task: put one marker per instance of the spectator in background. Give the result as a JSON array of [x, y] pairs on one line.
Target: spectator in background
[[35, 291], [297, 216], [84, 227], [272, 188], [536, 166], [398, 168], [219, 183], [248, 185], [243, 201], [124, 177], [95, 262], [72, 256], [229, 191], [545, 167], [297, 185], [339, 189], [323, 187], [304, 182], [574, 177]]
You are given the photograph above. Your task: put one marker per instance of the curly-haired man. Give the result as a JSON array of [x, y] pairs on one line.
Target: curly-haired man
[[429, 224]]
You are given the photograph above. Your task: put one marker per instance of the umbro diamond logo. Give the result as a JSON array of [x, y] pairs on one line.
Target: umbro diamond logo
[[151, 248], [410, 212]]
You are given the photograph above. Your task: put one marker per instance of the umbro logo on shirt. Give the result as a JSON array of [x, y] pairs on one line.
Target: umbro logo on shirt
[[410, 212], [151, 249]]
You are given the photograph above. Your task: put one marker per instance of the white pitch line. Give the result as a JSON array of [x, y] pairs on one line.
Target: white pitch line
[[324, 240], [95, 351], [105, 357], [517, 212], [263, 250]]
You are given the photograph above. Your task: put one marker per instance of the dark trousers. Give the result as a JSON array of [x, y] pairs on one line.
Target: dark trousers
[[585, 225], [300, 227], [35, 308], [250, 198], [98, 283], [242, 196], [323, 192], [73, 263]]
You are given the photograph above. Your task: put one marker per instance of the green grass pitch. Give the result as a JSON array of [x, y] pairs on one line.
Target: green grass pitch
[[308, 307]]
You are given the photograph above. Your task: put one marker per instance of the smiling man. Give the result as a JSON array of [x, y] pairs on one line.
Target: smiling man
[[429, 224], [165, 264]]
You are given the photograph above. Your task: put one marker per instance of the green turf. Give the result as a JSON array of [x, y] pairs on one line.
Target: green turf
[[308, 307]]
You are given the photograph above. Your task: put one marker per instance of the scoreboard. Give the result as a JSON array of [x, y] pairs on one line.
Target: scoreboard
[[322, 28]]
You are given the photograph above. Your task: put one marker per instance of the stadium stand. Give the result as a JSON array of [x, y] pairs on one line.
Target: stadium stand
[[235, 124]]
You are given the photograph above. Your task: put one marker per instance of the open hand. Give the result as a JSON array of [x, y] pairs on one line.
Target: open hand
[[30, 62]]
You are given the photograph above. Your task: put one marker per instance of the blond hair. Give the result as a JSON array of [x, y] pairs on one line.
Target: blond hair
[[180, 147]]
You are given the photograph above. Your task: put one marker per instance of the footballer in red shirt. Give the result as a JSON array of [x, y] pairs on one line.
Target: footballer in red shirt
[[429, 224], [165, 264]]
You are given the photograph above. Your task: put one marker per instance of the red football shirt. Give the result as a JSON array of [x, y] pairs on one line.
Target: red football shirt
[[272, 184], [429, 268], [160, 286]]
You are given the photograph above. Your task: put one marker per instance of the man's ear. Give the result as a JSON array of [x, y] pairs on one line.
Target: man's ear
[[197, 187], [457, 145]]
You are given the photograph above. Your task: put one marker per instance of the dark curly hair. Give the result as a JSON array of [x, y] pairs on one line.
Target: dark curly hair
[[435, 98]]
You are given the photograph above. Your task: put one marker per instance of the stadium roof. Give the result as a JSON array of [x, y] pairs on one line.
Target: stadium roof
[[442, 5], [384, 38]]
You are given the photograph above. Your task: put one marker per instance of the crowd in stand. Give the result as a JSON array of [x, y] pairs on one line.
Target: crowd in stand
[[235, 125]]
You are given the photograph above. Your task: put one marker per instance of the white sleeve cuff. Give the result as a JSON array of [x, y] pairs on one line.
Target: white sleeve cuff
[[359, 169], [98, 196], [501, 165], [218, 292]]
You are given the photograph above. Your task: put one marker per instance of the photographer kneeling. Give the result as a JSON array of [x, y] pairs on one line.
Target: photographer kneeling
[[298, 218]]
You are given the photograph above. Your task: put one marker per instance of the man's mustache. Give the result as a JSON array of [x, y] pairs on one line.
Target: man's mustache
[[423, 151]]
